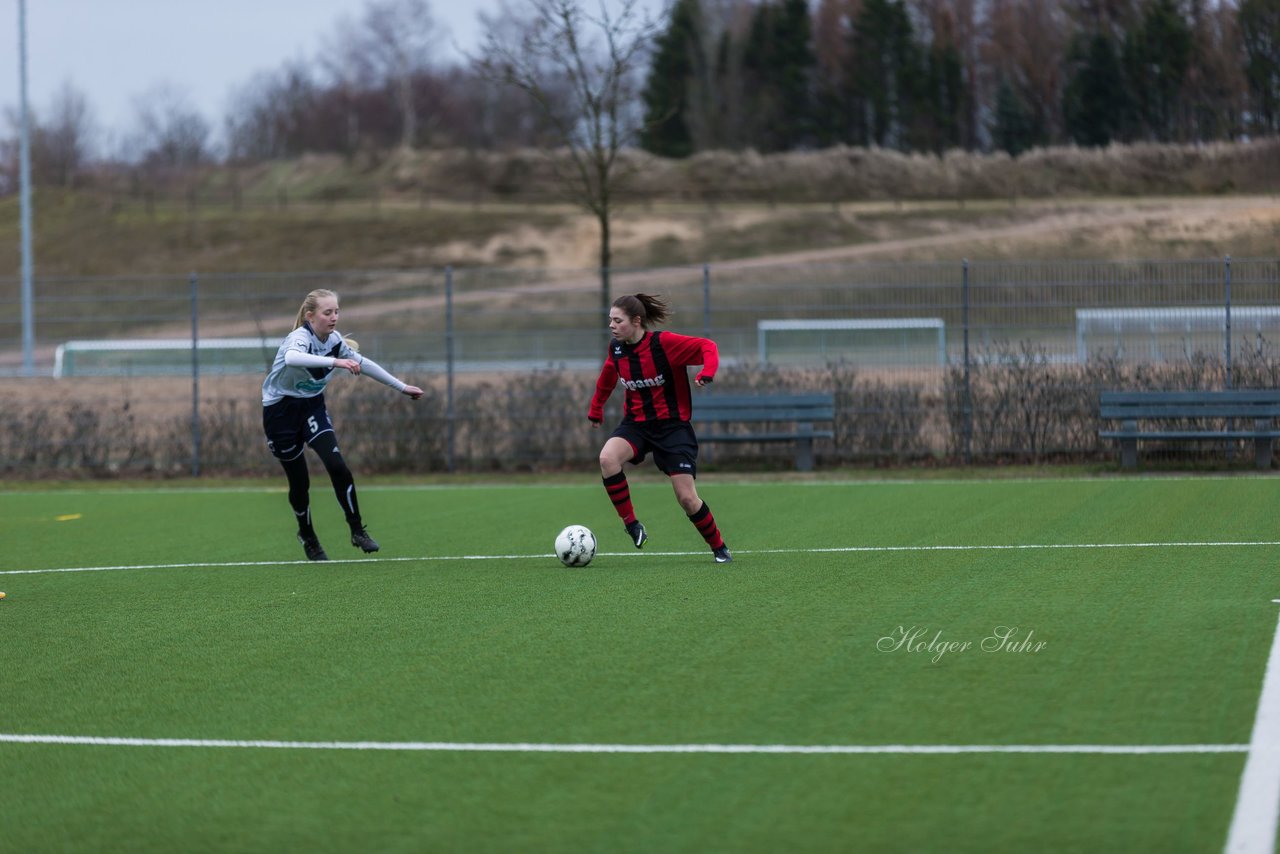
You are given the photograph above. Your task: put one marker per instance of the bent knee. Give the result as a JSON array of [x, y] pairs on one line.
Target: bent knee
[[689, 503]]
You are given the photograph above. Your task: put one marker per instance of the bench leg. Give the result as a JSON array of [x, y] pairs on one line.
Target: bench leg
[[1262, 445], [1129, 447], [804, 455], [1129, 453]]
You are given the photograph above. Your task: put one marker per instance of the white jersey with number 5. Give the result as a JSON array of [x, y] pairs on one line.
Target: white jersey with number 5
[[285, 380]]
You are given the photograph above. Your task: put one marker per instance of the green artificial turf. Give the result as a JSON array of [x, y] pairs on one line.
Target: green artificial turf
[[1125, 626]]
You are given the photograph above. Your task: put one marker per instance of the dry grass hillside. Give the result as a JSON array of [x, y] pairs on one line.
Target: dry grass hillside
[[424, 209], [1243, 226]]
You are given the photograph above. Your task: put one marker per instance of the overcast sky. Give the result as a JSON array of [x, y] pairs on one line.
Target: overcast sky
[[114, 51]]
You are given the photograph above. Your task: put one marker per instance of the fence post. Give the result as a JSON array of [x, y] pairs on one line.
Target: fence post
[[606, 299], [967, 403], [708, 456], [450, 414], [195, 375], [1227, 273], [706, 300]]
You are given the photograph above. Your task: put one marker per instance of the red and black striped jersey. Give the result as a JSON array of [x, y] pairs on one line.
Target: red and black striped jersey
[[653, 372]]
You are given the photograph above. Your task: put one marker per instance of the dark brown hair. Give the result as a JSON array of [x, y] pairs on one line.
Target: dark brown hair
[[651, 310]]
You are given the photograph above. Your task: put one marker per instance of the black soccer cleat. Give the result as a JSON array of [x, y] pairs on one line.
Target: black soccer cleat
[[637, 534], [360, 539], [722, 555], [311, 546]]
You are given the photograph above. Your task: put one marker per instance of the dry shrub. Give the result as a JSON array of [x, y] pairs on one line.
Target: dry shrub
[[876, 420], [1023, 407], [844, 173], [76, 439]]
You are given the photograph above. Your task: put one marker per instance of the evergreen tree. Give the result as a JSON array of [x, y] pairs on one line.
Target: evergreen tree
[[1013, 130], [724, 98], [676, 65], [1260, 33], [795, 73], [1094, 104], [943, 100], [760, 100], [778, 65], [884, 75], [1156, 56], [832, 20]]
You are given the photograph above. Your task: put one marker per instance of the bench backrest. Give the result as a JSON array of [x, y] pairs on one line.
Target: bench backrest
[[1252, 403], [764, 407]]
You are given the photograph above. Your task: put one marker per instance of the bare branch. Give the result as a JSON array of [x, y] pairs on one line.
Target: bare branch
[[392, 43], [581, 69]]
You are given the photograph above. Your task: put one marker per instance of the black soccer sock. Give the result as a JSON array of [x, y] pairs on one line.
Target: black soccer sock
[[706, 525], [304, 523], [350, 506], [344, 483], [299, 488], [620, 495]]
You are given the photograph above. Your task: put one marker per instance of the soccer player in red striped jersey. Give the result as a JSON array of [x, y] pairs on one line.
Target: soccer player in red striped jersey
[[652, 367]]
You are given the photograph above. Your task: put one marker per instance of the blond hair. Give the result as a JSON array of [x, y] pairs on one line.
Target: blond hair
[[311, 303]]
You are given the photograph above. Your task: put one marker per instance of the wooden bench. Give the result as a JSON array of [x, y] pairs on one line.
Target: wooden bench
[[766, 413], [1244, 415]]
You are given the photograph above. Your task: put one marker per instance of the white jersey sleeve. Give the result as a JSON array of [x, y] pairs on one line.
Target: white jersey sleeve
[[304, 365], [371, 368]]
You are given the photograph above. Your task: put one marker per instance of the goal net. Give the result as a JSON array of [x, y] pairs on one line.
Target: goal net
[[162, 356], [888, 341], [1165, 334]]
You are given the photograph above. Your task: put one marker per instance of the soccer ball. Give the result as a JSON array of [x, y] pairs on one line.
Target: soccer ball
[[576, 546]]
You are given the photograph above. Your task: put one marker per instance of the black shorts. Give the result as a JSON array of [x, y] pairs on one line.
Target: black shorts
[[294, 422], [672, 443]]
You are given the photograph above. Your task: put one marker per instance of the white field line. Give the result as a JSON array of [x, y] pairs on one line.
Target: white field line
[[1253, 826], [523, 747], [725, 479], [700, 553]]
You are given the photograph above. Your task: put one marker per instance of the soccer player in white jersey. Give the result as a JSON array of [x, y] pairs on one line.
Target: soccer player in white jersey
[[294, 414]]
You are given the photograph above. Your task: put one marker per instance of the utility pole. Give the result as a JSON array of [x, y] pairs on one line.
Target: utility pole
[[24, 168]]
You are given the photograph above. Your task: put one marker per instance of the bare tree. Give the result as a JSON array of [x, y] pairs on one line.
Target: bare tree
[[8, 162], [170, 132], [338, 64], [272, 115], [394, 43], [61, 144], [1215, 91], [1025, 47], [596, 61], [64, 142]]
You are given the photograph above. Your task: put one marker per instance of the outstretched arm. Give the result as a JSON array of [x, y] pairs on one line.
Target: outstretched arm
[[382, 375]]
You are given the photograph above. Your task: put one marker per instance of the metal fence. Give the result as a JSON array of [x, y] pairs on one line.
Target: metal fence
[[941, 361]]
